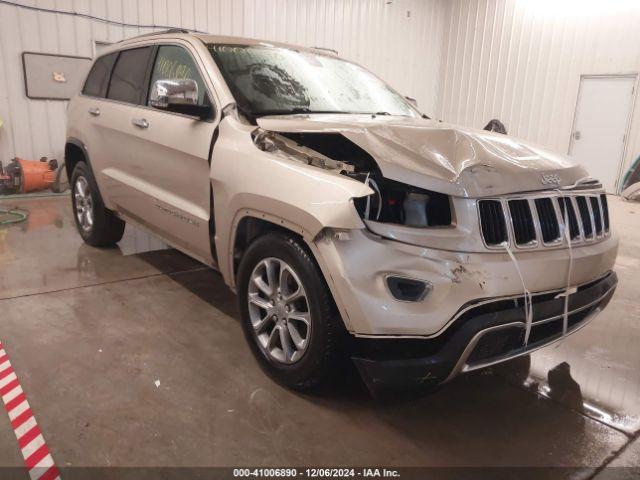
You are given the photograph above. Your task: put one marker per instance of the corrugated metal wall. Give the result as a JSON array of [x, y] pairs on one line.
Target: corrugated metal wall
[[400, 40], [521, 61], [516, 60]]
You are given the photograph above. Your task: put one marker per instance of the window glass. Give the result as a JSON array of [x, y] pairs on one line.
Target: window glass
[[98, 78], [176, 63], [270, 80], [128, 78]]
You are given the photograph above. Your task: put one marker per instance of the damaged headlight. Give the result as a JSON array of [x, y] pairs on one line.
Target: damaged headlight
[[396, 202]]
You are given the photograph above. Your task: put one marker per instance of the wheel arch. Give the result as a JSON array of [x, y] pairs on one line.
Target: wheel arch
[[74, 152], [250, 225]]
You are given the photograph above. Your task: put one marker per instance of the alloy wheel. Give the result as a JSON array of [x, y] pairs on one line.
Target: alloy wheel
[[279, 310], [84, 203]]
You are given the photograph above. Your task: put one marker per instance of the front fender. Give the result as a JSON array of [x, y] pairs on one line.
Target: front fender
[[276, 187]]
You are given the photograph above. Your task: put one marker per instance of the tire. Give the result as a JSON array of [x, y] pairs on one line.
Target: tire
[[97, 225], [312, 367]]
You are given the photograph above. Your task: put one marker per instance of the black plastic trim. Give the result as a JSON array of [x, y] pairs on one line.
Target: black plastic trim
[[402, 363]]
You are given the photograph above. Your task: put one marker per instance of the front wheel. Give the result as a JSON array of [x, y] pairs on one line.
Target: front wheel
[[98, 226], [287, 312]]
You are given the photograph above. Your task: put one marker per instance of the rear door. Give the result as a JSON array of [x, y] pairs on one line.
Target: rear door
[[87, 114], [127, 90], [168, 155]]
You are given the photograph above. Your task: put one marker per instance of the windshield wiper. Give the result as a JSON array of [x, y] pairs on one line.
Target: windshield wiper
[[298, 110]]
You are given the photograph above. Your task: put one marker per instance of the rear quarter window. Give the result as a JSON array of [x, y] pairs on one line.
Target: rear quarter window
[[98, 78]]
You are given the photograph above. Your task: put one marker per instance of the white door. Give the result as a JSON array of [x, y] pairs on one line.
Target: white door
[[600, 126]]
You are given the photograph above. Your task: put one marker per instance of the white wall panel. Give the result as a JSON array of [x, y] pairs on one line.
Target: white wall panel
[[467, 61], [399, 40], [520, 61]]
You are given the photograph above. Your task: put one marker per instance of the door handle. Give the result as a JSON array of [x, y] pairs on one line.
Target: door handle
[[95, 111], [140, 122], [577, 135]]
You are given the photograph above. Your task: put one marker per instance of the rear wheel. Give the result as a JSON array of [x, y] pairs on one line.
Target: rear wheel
[[287, 312], [98, 226]]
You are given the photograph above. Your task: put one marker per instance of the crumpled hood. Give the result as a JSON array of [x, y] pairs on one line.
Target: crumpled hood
[[442, 157]]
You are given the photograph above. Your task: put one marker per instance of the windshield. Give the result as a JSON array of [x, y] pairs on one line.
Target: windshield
[[269, 81]]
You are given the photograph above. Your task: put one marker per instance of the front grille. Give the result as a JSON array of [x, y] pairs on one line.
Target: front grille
[[494, 227], [605, 211], [522, 221], [526, 222], [569, 215], [549, 226], [597, 215], [587, 226]]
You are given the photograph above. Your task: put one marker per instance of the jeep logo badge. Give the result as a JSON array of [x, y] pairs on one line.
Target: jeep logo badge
[[550, 179]]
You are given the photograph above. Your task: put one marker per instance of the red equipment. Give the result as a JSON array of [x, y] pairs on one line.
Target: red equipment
[[24, 176]]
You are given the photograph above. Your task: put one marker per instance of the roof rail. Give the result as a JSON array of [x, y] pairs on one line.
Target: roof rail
[[335, 52], [159, 32]]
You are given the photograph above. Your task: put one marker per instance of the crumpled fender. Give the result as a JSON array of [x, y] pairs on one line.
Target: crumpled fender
[[247, 181]]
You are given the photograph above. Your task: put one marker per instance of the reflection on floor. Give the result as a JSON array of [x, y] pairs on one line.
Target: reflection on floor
[[605, 356], [106, 326], [136, 240]]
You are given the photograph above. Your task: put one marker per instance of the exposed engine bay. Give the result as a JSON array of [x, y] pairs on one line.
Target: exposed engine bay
[[391, 202]]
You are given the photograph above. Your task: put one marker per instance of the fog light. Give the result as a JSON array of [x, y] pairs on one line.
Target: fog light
[[407, 289]]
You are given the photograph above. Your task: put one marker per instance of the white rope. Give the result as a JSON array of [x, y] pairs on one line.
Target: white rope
[[528, 303], [567, 236]]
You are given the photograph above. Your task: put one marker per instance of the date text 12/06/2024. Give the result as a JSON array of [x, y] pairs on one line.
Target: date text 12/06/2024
[[315, 473]]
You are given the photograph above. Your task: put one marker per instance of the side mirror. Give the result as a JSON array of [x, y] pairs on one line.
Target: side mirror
[[179, 96]]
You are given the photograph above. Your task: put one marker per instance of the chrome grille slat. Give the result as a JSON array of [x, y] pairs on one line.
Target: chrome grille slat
[[568, 204], [597, 214], [605, 211], [593, 217], [533, 221], [524, 233], [536, 218], [492, 220], [548, 218], [586, 220]]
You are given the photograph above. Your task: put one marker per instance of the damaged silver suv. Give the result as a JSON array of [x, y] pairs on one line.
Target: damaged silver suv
[[347, 222]]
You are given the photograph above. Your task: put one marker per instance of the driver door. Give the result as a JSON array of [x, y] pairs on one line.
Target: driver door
[[171, 159]]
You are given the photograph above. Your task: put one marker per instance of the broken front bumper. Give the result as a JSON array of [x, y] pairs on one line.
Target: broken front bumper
[[486, 332], [357, 265]]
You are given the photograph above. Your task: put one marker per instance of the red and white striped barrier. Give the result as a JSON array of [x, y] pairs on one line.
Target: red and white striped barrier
[[35, 452]]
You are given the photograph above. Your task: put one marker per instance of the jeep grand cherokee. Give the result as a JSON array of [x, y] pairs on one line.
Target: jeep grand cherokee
[[345, 220]]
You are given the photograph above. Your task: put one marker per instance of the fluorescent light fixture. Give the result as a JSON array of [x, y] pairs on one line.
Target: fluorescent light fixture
[[577, 8]]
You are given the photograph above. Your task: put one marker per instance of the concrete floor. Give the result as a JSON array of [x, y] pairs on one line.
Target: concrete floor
[[90, 331]]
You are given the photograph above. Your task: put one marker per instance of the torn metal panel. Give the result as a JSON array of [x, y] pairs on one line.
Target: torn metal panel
[[281, 184], [275, 143]]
